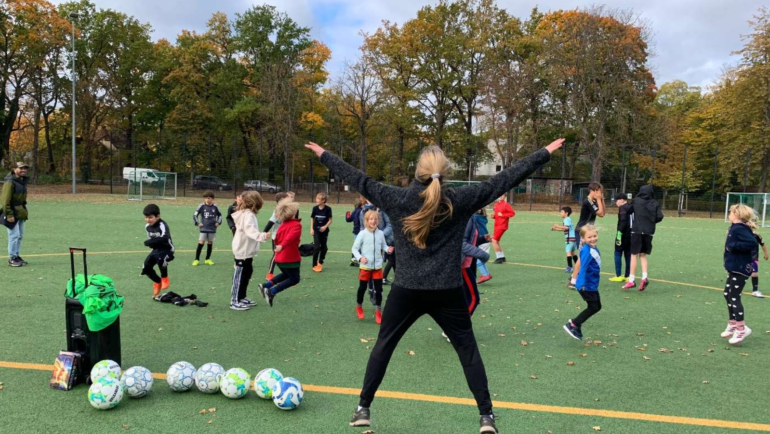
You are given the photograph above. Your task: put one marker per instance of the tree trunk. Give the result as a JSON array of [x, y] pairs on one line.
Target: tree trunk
[[47, 128], [35, 144], [6, 126]]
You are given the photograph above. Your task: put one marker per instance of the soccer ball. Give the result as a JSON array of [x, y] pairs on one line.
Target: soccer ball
[[207, 377], [287, 393], [181, 376], [235, 383], [265, 381], [105, 393], [136, 381], [105, 368]]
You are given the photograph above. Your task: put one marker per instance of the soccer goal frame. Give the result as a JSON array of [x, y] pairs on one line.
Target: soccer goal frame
[[757, 201], [162, 185]]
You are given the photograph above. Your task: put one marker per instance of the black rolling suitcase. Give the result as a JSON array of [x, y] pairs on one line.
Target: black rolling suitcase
[[93, 346]]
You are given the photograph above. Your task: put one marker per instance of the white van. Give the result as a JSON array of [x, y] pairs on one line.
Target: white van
[[131, 174]]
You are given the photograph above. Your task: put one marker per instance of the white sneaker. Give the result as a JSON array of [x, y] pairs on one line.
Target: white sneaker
[[758, 294], [248, 302], [729, 331], [740, 335], [239, 306], [446, 337]]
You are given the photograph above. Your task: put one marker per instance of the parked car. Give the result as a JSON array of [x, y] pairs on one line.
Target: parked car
[[202, 182], [261, 186]]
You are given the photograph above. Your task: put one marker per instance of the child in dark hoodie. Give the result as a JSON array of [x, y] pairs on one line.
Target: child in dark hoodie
[[738, 262], [644, 215]]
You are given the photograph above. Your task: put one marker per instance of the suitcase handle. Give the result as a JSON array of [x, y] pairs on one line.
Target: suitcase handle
[[72, 264]]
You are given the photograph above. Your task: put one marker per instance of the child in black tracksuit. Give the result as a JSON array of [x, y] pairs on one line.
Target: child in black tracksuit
[[739, 245], [428, 221], [321, 217], [159, 240]]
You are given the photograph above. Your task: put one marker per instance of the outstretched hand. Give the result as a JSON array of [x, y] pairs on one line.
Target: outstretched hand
[[556, 144], [317, 149]]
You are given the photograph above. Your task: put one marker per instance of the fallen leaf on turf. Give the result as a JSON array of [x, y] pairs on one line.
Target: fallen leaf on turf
[[125, 426], [533, 377], [210, 422], [547, 357], [160, 329], [646, 358], [411, 353], [710, 350], [502, 335], [524, 343], [583, 354], [213, 410], [430, 330], [705, 382], [597, 428], [570, 363], [369, 431], [203, 411], [364, 341], [744, 354]]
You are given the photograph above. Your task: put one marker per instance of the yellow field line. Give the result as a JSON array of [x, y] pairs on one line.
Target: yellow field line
[[554, 409]]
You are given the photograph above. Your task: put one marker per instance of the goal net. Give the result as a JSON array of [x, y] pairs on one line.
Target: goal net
[[757, 201], [153, 185]]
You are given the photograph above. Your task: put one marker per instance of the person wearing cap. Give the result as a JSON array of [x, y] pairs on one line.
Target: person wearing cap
[[622, 238], [14, 210]]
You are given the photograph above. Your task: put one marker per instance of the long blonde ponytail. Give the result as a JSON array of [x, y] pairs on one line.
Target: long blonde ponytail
[[435, 208]]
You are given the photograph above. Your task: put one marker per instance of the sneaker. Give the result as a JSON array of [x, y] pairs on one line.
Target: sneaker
[[500, 260], [483, 279], [568, 270], [318, 268], [373, 296], [758, 294], [208, 262], [644, 284], [23, 262], [239, 306], [446, 337], [164, 283], [269, 276], [571, 285], [617, 279], [740, 335], [360, 312], [487, 423], [196, 263], [248, 301], [729, 331], [630, 285], [573, 331], [378, 316], [386, 282], [267, 293], [14, 262], [361, 417], [156, 287]]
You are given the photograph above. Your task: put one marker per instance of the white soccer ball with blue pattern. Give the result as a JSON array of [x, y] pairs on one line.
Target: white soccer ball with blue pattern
[[288, 393], [265, 381], [181, 376], [136, 381], [105, 393], [105, 368], [207, 377], [235, 383]]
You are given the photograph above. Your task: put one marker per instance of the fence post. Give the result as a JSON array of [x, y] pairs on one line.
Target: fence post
[[714, 180], [235, 165], [184, 165], [681, 193]]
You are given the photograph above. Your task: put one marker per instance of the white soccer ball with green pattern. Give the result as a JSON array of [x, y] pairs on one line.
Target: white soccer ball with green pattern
[[136, 381], [181, 376], [105, 393], [265, 381], [235, 383], [207, 377], [105, 368]]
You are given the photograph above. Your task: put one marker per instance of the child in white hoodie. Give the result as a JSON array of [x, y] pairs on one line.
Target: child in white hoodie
[[367, 249], [245, 247]]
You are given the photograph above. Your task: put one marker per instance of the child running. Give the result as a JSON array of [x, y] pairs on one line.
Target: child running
[[503, 212], [210, 219], [287, 255], [570, 241], [755, 275], [739, 246], [588, 281], [159, 240], [319, 229], [355, 218], [270, 223], [592, 207], [367, 249], [245, 247]]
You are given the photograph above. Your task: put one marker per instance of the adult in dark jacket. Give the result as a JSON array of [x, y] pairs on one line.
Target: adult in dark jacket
[[429, 221], [643, 218], [622, 238], [14, 211], [739, 264]]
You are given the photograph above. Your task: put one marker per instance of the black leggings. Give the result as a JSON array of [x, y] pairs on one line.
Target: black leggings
[[377, 291], [448, 308], [471, 288], [594, 305], [390, 264], [733, 289], [244, 268], [319, 246], [288, 278], [161, 259]]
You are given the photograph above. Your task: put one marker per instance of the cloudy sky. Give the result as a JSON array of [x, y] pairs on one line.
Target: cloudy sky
[[692, 39]]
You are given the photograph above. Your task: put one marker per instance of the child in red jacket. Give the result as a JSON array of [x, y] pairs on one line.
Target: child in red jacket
[[503, 212], [287, 256]]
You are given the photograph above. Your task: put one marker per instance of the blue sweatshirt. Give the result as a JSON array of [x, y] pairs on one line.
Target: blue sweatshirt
[[355, 218], [590, 269], [739, 245]]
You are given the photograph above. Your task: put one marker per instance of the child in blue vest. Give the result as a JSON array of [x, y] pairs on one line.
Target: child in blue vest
[[739, 247], [587, 281]]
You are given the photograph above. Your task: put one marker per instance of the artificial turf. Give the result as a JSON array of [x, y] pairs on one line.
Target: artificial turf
[[656, 352]]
